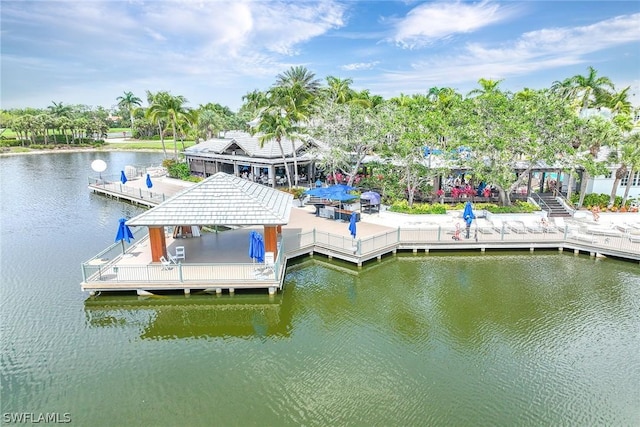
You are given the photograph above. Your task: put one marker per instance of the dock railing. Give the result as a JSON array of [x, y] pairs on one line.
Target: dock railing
[[106, 266]]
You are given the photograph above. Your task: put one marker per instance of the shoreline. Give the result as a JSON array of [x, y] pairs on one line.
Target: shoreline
[[77, 150]]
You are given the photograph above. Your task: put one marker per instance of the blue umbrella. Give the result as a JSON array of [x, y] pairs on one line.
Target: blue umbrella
[[256, 246], [149, 183], [318, 183], [352, 225], [123, 177], [371, 196], [124, 233]]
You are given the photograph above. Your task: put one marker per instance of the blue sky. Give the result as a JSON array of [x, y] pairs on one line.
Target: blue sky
[[90, 52]]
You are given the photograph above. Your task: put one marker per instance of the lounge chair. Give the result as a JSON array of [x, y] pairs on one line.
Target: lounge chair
[[534, 226], [603, 231], [166, 264], [499, 226], [172, 258], [517, 227]]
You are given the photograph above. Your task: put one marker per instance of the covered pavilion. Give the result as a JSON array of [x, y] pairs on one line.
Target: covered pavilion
[[242, 154], [220, 200]]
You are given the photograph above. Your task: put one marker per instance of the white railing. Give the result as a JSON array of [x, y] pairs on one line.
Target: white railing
[[104, 267]]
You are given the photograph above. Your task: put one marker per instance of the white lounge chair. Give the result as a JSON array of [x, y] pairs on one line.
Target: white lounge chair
[[534, 226], [172, 258], [516, 227], [500, 226], [166, 264]]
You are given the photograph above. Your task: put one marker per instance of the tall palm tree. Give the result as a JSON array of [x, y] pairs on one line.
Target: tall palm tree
[[301, 76], [293, 96], [129, 102], [339, 90], [487, 86], [57, 109], [274, 126], [151, 97], [590, 88], [619, 102], [172, 110]]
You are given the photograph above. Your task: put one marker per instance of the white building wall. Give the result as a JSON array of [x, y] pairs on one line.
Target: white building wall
[[602, 185]]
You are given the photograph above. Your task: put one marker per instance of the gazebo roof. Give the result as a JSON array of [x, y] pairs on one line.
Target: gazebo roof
[[221, 199]]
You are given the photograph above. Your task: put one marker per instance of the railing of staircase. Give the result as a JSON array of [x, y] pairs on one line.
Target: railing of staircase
[[540, 201]]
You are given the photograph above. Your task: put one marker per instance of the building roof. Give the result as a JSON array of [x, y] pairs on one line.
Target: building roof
[[221, 199], [244, 144]]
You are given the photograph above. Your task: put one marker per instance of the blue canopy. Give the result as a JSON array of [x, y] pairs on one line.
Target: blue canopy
[[341, 187], [256, 246], [149, 183], [352, 225], [340, 196], [123, 177], [124, 233], [467, 214], [317, 192]]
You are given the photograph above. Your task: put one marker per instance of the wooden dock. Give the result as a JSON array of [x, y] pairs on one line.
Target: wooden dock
[[219, 261]]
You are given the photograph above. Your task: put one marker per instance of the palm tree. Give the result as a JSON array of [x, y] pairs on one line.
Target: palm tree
[[631, 156], [172, 110], [58, 110], [274, 126], [339, 90], [301, 76], [619, 102], [129, 102], [590, 88], [151, 97], [487, 86], [293, 96]]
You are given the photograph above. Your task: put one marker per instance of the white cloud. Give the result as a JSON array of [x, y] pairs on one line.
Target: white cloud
[[535, 51], [360, 66], [429, 22]]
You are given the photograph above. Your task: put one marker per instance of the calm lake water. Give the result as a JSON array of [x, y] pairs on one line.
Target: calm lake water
[[456, 339]]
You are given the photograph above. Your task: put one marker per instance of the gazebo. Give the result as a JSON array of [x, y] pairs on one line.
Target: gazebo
[[220, 200]]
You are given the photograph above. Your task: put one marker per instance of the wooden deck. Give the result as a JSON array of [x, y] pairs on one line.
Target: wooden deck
[[219, 261]]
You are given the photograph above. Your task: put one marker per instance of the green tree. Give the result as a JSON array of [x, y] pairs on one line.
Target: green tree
[[630, 156], [129, 102]]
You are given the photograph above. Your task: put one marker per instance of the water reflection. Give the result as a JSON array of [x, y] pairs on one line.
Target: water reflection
[[198, 316]]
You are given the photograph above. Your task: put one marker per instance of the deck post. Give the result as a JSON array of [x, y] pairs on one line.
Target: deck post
[[272, 290], [187, 291], [531, 249], [218, 291], [232, 290]]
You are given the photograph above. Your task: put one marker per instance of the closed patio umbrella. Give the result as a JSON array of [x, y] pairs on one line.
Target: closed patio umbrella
[[468, 216], [149, 183], [123, 177], [352, 224], [124, 233], [256, 246]]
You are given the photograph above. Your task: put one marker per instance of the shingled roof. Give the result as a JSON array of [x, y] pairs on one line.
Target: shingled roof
[[221, 199]]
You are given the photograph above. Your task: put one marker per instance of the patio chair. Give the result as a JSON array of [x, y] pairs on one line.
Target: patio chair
[[166, 264], [269, 261], [180, 254], [172, 258]]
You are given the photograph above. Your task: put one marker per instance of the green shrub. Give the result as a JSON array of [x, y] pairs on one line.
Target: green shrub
[[402, 206]]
